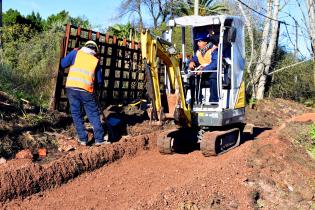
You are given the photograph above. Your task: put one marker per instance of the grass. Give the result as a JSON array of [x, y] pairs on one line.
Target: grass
[[301, 134]]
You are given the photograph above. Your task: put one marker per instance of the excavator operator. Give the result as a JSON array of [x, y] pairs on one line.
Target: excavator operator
[[206, 58]]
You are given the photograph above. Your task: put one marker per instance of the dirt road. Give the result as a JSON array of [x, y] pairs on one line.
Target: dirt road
[[261, 173]]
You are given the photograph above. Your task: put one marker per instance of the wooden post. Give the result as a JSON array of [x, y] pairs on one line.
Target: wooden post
[[78, 37]]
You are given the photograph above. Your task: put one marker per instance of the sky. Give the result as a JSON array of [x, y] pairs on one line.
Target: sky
[[103, 13]]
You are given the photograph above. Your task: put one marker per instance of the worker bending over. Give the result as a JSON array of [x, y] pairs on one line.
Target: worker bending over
[[84, 70]]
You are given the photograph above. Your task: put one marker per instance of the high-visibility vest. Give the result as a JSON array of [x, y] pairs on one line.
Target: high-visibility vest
[[206, 59], [82, 72]]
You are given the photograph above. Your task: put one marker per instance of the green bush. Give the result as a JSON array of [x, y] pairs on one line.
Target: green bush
[[295, 83], [29, 64]]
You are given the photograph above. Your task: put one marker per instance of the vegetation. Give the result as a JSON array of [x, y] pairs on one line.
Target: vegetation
[[30, 54], [293, 83], [301, 134]]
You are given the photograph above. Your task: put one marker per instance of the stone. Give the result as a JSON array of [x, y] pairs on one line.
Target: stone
[[2, 161]]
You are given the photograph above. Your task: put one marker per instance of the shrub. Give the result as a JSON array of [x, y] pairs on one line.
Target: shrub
[[295, 83], [29, 65]]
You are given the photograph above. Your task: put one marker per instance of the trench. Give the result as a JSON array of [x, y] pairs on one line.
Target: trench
[[33, 178]]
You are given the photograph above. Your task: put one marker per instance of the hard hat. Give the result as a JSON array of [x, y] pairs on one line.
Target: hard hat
[[92, 44], [204, 35]]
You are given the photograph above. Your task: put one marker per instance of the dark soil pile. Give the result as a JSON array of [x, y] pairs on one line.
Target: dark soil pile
[[273, 112]]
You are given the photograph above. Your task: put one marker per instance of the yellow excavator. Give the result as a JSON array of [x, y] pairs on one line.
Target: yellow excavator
[[177, 92]]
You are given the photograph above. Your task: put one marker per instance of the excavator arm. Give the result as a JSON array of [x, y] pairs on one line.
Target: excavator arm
[[154, 48]]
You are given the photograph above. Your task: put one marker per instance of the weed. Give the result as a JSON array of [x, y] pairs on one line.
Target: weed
[[312, 133]]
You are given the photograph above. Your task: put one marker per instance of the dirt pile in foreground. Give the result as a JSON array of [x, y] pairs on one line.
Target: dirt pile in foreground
[[20, 180]]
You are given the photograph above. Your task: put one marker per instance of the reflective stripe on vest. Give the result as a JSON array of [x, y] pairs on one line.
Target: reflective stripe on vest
[[81, 73]]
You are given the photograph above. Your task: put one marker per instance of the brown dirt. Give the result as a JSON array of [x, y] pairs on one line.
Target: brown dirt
[[269, 172]]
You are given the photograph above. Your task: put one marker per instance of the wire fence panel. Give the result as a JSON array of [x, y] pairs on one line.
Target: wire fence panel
[[120, 60]]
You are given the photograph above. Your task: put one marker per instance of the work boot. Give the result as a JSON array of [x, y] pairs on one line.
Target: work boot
[[101, 143], [83, 143]]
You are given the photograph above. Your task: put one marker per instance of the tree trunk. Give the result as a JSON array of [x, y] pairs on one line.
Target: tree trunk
[[311, 16], [251, 37], [268, 48], [0, 24], [140, 15]]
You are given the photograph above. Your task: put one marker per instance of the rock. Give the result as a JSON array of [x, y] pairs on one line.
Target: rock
[[24, 154], [2, 161], [290, 188]]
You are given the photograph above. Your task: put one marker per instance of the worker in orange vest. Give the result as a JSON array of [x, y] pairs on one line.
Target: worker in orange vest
[[84, 71], [206, 58]]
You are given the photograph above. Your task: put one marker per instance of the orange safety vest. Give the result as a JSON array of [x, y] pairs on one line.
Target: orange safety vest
[[206, 59], [82, 72]]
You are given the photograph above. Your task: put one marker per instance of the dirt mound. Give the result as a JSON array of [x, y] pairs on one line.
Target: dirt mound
[[273, 112], [30, 178], [283, 174]]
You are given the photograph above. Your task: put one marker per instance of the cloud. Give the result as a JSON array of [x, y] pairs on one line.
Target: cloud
[[34, 5]]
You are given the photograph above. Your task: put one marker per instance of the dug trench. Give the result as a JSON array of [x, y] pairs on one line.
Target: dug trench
[[27, 174], [30, 178]]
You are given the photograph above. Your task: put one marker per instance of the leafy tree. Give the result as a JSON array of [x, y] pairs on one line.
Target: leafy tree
[[63, 18], [60, 18], [80, 21], [206, 7], [293, 83], [12, 17], [121, 30], [36, 21]]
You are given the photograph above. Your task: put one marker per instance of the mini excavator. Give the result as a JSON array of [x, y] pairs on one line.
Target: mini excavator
[[179, 93]]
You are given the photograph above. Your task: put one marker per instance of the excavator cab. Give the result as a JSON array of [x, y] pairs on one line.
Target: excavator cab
[[229, 34], [219, 123]]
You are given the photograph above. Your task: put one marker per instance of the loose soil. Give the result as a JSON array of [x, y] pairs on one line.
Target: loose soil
[[268, 171]]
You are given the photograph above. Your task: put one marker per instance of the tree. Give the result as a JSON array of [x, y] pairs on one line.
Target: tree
[[129, 7], [311, 29], [159, 10], [12, 17], [1, 28], [268, 46], [35, 21], [206, 7], [80, 21], [121, 30], [61, 17]]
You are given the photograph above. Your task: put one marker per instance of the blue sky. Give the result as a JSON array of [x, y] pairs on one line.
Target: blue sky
[[98, 12]]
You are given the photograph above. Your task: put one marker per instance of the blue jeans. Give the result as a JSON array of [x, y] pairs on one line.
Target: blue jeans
[[213, 89], [77, 99]]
